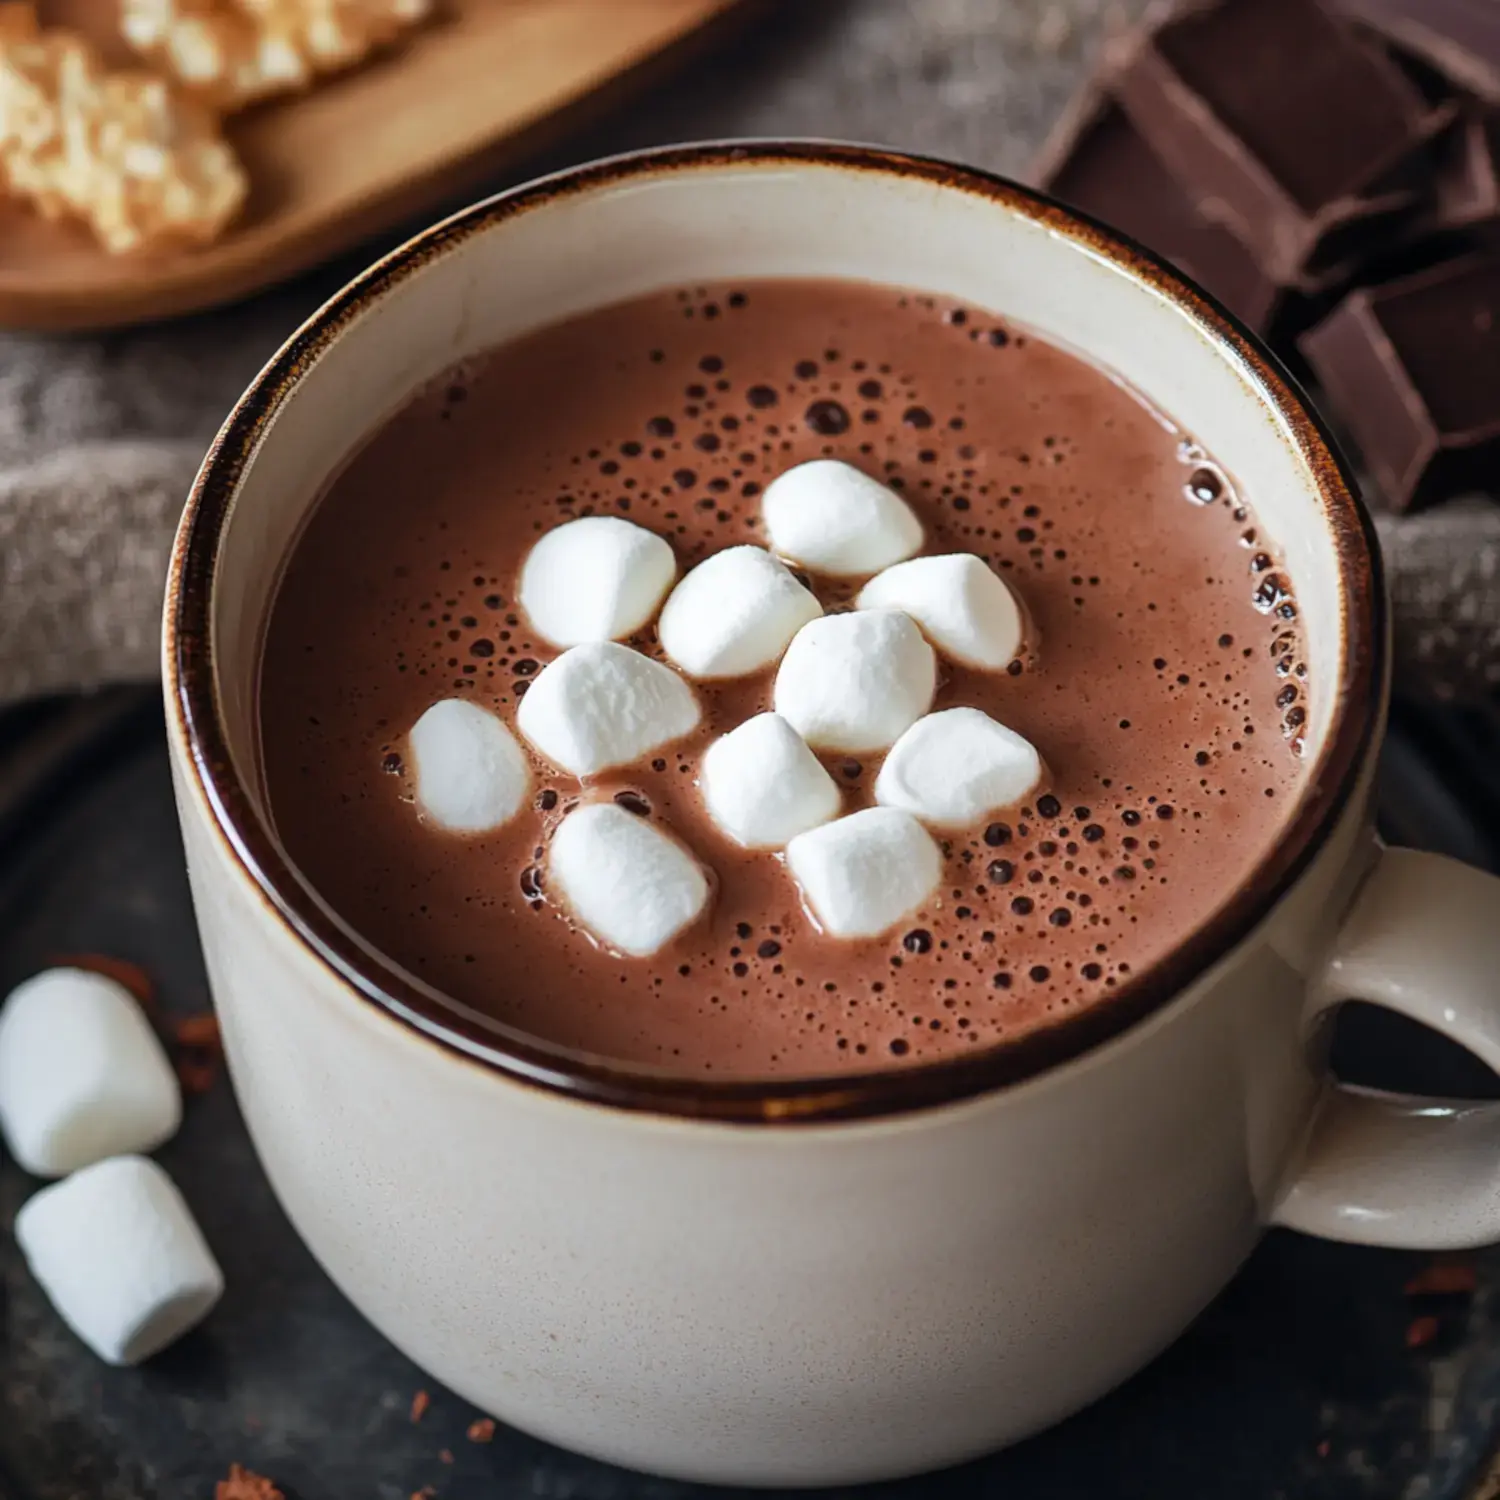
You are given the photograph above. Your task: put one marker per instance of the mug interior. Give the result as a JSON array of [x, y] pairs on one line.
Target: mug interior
[[624, 228]]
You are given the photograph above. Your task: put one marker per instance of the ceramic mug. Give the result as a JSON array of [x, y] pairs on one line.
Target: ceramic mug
[[829, 1280]]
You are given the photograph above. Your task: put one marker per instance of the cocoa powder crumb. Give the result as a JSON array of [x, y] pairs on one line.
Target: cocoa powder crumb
[[419, 1404], [246, 1484], [1421, 1332], [197, 1051], [482, 1431], [1443, 1278], [196, 1031], [445, 1455]]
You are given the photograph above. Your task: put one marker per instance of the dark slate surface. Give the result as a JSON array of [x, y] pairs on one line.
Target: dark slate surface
[[1298, 1383]]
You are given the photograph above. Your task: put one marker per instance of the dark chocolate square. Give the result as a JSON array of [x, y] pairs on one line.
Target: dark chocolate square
[[1098, 162], [1412, 370], [1459, 38], [1282, 124], [1467, 173]]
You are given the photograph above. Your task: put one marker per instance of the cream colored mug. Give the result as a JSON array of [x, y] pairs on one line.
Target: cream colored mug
[[819, 1281]]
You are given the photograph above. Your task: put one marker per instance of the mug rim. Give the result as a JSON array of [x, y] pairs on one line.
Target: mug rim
[[193, 698]]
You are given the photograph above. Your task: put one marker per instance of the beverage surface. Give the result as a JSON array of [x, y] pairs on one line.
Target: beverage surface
[[1162, 678]]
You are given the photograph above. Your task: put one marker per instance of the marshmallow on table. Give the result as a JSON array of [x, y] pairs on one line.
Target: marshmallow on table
[[470, 772], [117, 1252], [595, 579], [763, 786], [964, 608], [834, 519], [82, 1074], [733, 614], [630, 885], [862, 874], [856, 681], [955, 767], [603, 705]]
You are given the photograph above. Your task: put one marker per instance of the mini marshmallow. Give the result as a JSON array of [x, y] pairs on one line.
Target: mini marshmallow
[[471, 774], [595, 579], [733, 614], [856, 681], [834, 519], [82, 1075], [963, 607], [862, 874], [763, 786], [955, 767], [117, 1252], [629, 884], [603, 705]]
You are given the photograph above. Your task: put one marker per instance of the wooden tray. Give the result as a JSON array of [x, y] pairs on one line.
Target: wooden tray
[[362, 154]]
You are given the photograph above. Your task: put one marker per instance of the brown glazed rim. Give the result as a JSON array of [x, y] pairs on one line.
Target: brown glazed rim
[[192, 685]]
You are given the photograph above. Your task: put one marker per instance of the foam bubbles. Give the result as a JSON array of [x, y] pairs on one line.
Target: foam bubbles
[[695, 418]]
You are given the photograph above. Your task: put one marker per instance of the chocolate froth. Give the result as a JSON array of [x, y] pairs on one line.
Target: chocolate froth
[[1170, 757]]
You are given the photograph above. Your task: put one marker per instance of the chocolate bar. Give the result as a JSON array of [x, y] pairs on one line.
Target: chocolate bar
[[1459, 38], [1281, 124], [1098, 162], [1413, 369]]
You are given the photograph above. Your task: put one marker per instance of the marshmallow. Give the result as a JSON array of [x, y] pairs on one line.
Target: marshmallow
[[856, 681], [763, 786], [733, 614], [626, 882], [955, 767], [471, 774], [603, 705], [82, 1075], [117, 1252], [833, 519], [862, 874], [595, 579], [963, 607]]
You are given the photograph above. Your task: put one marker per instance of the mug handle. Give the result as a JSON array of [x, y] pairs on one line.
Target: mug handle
[[1423, 938]]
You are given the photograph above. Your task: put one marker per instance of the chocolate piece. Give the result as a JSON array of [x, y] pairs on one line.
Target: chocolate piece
[[1460, 38], [1098, 162], [1467, 175], [1413, 370], [1461, 215], [1280, 123]]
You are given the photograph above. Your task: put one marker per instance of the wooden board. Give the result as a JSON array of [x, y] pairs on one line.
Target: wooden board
[[362, 154]]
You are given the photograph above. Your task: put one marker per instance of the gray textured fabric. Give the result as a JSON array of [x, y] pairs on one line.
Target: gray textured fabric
[[1444, 567], [99, 437]]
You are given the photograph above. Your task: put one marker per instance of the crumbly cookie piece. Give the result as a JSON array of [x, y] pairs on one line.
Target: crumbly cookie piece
[[246, 1484], [139, 165], [234, 52]]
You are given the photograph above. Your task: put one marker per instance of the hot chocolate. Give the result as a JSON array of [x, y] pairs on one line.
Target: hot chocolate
[[1159, 677]]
